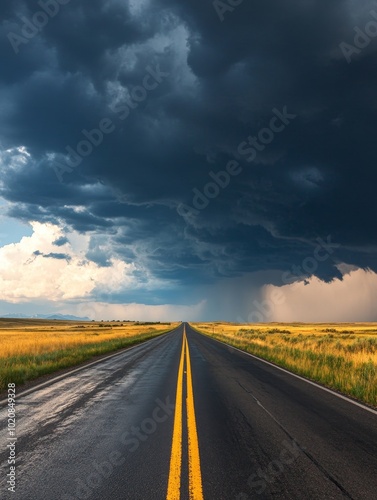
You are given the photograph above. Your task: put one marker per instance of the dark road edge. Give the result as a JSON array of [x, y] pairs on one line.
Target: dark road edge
[[45, 380], [340, 395]]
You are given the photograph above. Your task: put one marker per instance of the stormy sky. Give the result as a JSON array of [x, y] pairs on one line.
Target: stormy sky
[[191, 160]]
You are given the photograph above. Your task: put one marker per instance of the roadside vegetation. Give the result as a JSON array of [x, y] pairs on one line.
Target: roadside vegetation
[[340, 356], [32, 348]]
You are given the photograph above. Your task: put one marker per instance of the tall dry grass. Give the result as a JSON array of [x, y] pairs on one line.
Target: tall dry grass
[[30, 349], [340, 356]]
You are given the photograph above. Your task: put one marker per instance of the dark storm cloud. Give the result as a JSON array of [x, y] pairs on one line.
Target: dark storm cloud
[[60, 241], [222, 81], [58, 256], [52, 255]]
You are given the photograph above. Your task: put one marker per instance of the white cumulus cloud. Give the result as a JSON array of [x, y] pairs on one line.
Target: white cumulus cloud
[[36, 268], [352, 299]]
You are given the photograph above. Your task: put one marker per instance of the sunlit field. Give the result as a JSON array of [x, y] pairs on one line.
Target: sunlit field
[[31, 348], [340, 356]]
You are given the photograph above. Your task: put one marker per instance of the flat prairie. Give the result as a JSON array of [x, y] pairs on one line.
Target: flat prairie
[[30, 348], [341, 356]]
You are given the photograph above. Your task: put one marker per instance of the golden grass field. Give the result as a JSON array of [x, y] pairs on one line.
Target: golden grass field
[[31, 348], [342, 356]]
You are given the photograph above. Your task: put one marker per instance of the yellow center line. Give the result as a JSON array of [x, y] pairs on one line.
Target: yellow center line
[[195, 476], [174, 485]]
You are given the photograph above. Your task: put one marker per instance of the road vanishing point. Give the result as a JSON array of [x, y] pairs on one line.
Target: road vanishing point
[[183, 416]]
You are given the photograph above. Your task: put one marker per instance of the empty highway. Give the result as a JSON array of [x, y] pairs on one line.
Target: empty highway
[[183, 416]]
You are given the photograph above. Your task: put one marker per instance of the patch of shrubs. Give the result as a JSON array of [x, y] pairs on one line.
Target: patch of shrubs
[[277, 330]]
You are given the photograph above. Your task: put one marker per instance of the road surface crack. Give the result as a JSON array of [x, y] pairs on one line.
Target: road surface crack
[[302, 448]]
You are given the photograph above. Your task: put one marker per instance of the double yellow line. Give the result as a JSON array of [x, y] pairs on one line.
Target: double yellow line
[[195, 476]]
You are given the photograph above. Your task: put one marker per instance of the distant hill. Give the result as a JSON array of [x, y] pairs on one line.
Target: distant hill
[[61, 317]]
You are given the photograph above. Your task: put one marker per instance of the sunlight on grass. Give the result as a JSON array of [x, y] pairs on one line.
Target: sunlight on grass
[[31, 348], [340, 356]]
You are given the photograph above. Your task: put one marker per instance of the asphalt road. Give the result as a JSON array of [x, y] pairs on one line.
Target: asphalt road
[[241, 429]]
